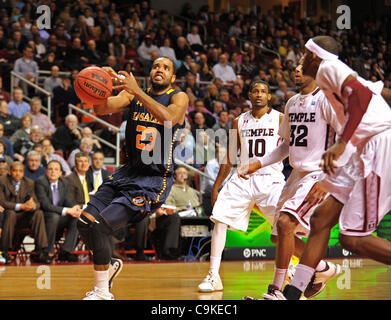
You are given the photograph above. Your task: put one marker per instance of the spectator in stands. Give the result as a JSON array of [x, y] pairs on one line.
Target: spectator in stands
[[283, 92], [247, 67], [96, 172], [4, 95], [224, 98], [131, 46], [182, 49], [185, 67], [79, 182], [24, 132], [48, 154], [23, 145], [8, 149], [223, 122], [49, 61], [60, 212], [4, 170], [167, 51], [198, 124], [75, 55], [66, 137], [62, 96], [86, 146], [199, 107], [117, 48], [217, 108], [206, 74], [236, 99], [168, 225], [204, 149], [194, 39], [224, 71], [86, 132], [182, 152], [3, 156], [26, 67], [191, 84], [40, 119], [53, 81], [212, 169], [22, 209], [112, 62], [94, 55], [145, 51], [33, 168], [17, 107]]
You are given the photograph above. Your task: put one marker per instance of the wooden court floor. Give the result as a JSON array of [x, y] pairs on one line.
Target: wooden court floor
[[360, 279]]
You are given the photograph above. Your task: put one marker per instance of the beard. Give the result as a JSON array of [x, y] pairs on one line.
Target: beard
[[159, 86]]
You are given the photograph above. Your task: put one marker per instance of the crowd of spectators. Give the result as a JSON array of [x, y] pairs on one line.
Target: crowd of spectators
[[216, 56]]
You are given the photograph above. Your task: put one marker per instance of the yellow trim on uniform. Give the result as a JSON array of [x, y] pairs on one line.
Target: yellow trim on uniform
[[148, 89], [168, 168], [169, 91]]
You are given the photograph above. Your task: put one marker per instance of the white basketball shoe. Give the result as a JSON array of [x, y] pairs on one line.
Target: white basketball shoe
[[211, 283]]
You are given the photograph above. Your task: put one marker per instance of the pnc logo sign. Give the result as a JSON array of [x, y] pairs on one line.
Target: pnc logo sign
[[254, 253]]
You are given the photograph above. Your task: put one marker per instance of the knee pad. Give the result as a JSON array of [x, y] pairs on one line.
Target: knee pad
[[99, 237]]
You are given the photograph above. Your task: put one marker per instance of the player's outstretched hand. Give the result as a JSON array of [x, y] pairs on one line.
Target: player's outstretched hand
[[330, 157], [245, 169], [127, 82]]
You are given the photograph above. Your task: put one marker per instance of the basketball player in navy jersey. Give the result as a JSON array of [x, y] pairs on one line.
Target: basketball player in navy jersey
[[142, 185]]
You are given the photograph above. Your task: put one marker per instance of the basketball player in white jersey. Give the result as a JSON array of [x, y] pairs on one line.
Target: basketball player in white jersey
[[359, 191], [257, 133], [307, 134]]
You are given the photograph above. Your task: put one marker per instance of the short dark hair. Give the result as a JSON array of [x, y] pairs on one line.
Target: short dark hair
[[172, 61], [328, 43], [254, 83]]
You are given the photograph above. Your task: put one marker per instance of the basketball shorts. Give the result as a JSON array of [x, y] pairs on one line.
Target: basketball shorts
[[139, 194], [238, 196], [292, 200], [363, 186]]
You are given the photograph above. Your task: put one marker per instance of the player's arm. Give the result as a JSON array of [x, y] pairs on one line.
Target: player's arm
[[116, 103], [356, 99], [386, 94], [227, 164], [277, 155], [173, 114]]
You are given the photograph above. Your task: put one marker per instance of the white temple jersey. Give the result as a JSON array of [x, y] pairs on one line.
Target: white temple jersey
[[306, 125], [259, 137], [330, 78]]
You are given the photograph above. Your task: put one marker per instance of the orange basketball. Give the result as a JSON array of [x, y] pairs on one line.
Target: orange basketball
[[93, 85]]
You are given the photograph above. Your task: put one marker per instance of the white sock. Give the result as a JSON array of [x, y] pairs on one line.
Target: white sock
[[302, 277], [321, 266], [102, 280], [279, 277], [217, 246], [214, 265]]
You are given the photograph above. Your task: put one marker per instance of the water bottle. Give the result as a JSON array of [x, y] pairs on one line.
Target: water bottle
[[189, 207]]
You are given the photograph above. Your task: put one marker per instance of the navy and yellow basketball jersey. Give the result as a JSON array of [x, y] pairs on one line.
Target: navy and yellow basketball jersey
[[148, 143]]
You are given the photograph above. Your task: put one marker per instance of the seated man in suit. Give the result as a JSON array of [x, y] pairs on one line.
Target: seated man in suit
[[22, 208], [60, 212], [96, 173], [79, 181]]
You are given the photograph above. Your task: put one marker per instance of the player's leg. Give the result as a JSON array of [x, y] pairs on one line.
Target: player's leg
[[232, 208], [322, 221], [371, 247], [212, 282]]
